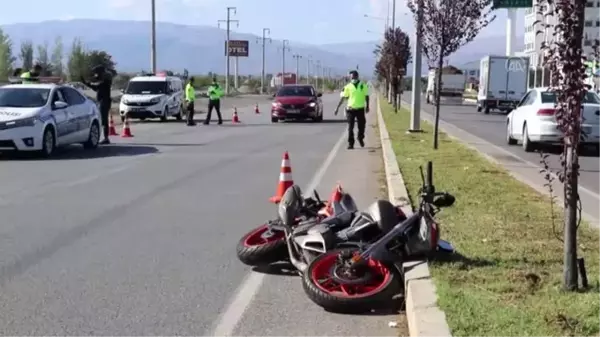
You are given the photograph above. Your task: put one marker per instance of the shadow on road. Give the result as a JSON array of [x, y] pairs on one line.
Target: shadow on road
[[76, 152], [557, 150], [171, 144], [279, 269], [394, 306]]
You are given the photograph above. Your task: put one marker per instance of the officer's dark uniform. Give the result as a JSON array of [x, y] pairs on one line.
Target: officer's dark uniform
[[215, 92], [102, 87], [357, 94]]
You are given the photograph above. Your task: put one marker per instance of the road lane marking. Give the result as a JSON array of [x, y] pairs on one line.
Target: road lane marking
[[245, 293]]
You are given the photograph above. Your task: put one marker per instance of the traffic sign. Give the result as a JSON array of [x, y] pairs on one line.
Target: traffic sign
[[237, 48], [512, 4]]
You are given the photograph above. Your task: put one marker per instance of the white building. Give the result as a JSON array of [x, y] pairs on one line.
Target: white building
[[533, 42]]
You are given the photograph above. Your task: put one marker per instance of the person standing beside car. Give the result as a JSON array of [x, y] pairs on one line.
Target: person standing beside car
[[102, 86], [190, 97], [32, 76], [215, 92]]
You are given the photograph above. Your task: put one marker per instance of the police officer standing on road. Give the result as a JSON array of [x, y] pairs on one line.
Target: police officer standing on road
[[102, 86], [32, 76], [357, 94], [215, 92], [190, 97]]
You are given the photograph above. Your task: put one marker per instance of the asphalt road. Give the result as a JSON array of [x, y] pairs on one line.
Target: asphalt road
[[138, 238]]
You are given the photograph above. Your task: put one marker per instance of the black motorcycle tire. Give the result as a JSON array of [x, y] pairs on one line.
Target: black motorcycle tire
[[261, 254], [340, 304]]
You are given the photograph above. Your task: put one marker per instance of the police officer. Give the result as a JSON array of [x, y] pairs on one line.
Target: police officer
[[32, 76], [215, 92], [357, 94], [190, 97], [102, 86]]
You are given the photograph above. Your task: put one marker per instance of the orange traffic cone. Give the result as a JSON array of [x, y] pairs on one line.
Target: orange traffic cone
[[235, 119], [256, 111], [112, 131], [285, 179], [126, 132], [336, 196]]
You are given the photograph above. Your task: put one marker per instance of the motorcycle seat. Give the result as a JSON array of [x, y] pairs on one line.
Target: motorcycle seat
[[334, 223]]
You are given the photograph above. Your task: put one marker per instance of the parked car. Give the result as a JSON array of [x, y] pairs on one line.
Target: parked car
[[298, 102], [533, 121]]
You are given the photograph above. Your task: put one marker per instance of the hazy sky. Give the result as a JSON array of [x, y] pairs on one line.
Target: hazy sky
[[311, 21]]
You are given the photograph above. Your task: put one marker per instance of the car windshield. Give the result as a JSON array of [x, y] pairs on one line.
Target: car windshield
[[296, 91], [590, 97], [23, 97], [146, 88]]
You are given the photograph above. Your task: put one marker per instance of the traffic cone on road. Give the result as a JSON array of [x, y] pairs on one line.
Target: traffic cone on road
[[336, 196], [112, 131], [235, 119], [126, 132], [256, 111], [285, 179]]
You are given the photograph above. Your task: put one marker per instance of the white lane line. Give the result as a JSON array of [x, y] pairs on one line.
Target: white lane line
[[245, 293]]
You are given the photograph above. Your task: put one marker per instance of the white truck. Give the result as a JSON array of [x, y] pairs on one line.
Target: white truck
[[453, 85], [502, 82]]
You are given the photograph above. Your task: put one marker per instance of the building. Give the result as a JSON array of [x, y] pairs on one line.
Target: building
[[533, 41]]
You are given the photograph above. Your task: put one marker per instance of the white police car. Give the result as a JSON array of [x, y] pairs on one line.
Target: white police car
[[41, 117]]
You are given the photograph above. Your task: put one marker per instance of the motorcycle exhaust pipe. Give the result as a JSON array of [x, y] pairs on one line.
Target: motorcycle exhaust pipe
[[301, 266]]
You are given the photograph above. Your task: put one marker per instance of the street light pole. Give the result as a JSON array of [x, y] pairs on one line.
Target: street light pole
[[308, 61], [415, 113], [318, 67], [228, 23], [153, 39], [297, 57], [284, 47], [393, 14], [263, 42]]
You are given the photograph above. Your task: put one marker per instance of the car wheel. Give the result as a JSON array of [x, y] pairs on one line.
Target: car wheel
[[93, 138], [179, 116], [48, 142], [163, 118], [528, 146], [122, 119], [509, 139], [274, 120]]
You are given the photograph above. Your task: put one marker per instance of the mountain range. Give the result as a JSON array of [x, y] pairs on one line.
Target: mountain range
[[200, 49]]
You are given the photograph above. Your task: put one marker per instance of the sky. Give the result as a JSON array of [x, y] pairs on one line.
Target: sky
[[309, 21]]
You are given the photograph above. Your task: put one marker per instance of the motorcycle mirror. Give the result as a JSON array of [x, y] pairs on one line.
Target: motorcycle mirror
[[317, 197], [445, 200], [422, 175], [445, 246]]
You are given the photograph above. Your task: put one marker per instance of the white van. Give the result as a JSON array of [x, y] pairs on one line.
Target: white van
[[153, 97]]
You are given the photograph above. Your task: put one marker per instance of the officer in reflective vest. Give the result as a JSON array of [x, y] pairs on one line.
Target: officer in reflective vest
[[190, 97], [357, 94], [215, 92], [32, 76]]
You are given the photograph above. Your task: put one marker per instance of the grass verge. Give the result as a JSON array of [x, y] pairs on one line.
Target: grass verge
[[506, 278]]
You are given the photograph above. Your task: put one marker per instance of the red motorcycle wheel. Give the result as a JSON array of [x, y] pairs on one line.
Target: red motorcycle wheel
[[326, 284], [262, 246]]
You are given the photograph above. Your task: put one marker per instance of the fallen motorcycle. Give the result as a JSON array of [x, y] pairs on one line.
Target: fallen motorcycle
[[362, 276], [267, 244]]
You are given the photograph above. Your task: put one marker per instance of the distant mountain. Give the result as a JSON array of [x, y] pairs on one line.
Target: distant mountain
[[200, 49]]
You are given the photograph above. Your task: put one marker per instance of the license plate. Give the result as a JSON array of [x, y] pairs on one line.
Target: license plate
[[137, 109], [293, 111]]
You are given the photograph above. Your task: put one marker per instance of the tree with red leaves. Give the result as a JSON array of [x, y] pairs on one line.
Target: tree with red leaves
[[394, 55], [447, 25], [566, 61]]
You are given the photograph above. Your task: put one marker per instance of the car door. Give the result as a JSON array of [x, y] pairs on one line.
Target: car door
[[519, 114], [61, 119], [79, 115]]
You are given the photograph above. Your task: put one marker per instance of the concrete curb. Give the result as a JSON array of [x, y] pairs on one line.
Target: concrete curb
[[422, 313]]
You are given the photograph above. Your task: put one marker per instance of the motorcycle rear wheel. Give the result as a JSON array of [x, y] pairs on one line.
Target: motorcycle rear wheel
[[322, 284], [262, 246]]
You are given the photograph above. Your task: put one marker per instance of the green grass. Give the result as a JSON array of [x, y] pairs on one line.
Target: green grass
[[506, 279]]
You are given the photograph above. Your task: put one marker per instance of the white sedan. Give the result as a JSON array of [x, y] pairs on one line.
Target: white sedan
[[533, 122], [41, 117]]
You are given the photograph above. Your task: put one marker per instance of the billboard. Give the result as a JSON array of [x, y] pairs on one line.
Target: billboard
[[237, 48]]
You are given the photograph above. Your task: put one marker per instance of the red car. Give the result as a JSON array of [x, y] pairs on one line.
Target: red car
[[298, 102]]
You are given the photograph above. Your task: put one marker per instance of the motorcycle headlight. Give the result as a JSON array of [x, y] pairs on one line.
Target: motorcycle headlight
[[312, 104], [29, 121]]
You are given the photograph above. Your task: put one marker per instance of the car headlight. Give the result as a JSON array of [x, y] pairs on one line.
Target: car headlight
[[18, 123], [155, 100], [312, 104], [276, 104]]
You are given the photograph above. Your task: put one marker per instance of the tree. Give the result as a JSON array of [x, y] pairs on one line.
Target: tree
[[101, 58], [394, 55], [43, 59], [566, 62], [77, 63], [26, 55], [447, 25], [6, 56], [57, 57]]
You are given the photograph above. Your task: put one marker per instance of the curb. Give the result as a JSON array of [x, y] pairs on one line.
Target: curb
[[422, 313]]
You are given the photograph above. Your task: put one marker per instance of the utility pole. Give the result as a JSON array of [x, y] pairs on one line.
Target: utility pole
[[317, 70], [153, 39], [263, 41], [308, 62], [228, 23], [393, 14], [297, 57], [284, 47], [415, 113]]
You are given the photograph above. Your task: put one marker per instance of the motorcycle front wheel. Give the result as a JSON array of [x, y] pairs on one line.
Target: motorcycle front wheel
[[329, 284], [261, 246]]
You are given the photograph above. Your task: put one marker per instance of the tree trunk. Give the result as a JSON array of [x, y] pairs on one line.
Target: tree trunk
[[437, 90], [571, 193]]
